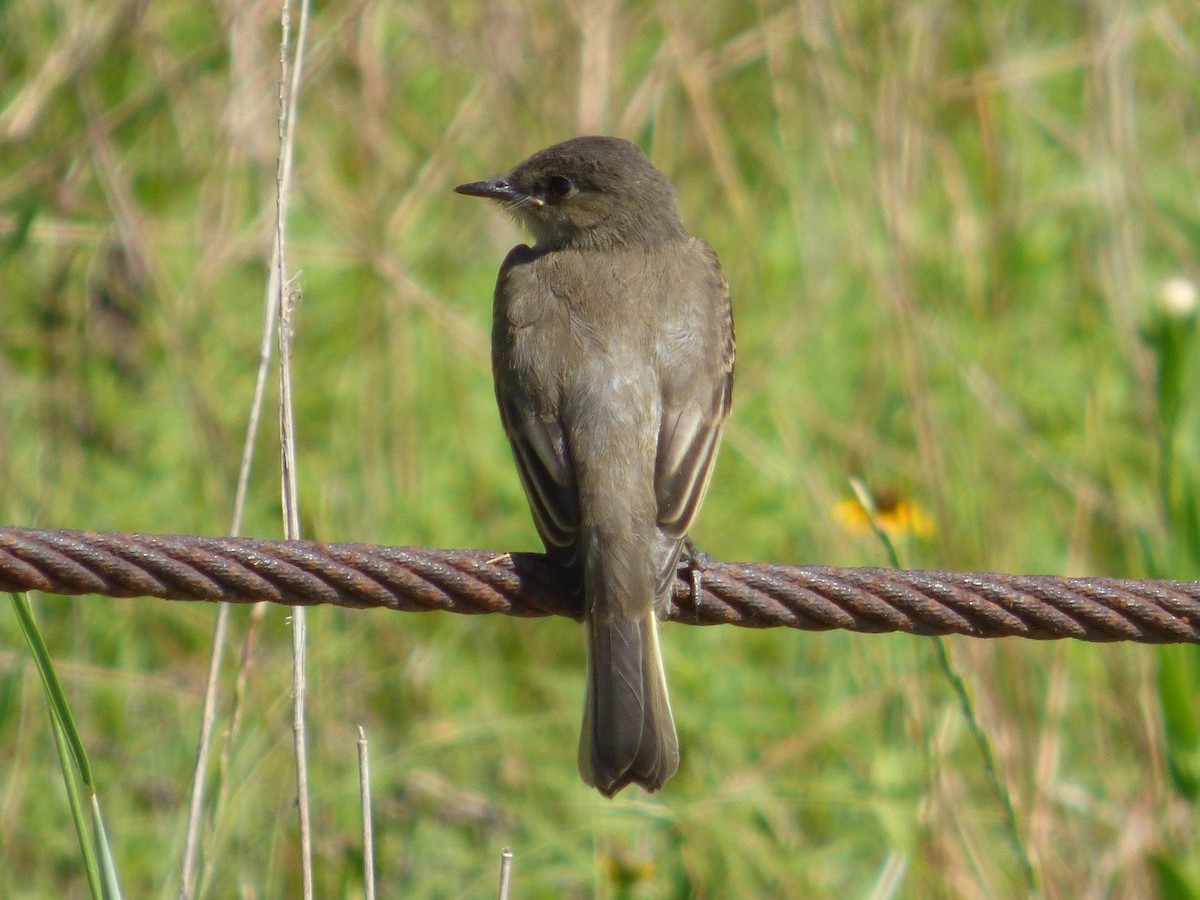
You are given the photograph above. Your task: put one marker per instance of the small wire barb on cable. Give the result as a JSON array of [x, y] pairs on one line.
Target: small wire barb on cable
[[755, 595]]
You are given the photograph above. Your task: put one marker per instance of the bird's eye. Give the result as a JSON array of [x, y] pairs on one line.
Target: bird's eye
[[558, 187]]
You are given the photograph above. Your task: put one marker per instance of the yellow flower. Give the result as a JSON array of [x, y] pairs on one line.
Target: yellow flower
[[626, 869], [897, 517]]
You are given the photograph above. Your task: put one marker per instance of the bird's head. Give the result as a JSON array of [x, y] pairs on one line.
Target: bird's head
[[592, 192]]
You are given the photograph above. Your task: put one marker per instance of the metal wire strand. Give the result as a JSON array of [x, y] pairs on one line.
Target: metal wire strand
[[416, 579]]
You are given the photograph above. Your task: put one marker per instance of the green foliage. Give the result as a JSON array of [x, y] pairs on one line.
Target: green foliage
[[947, 228]]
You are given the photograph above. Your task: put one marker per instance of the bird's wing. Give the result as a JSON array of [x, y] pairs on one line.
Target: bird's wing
[[697, 394], [540, 452], [533, 430]]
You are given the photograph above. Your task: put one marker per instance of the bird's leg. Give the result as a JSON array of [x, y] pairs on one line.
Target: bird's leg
[[695, 563]]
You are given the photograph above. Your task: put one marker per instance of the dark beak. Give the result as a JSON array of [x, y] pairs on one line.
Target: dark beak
[[495, 189]]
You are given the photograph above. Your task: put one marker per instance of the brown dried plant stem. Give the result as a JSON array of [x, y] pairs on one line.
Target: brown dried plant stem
[[276, 286], [288, 297], [364, 797]]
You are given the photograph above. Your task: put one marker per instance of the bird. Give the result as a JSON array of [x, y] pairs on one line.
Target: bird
[[612, 360]]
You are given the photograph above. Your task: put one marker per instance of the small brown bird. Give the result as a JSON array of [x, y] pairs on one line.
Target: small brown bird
[[612, 354]]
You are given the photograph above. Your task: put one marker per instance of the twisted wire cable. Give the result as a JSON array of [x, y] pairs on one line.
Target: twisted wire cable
[[755, 595]]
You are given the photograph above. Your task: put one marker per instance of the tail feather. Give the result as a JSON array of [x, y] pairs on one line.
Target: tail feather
[[628, 735]]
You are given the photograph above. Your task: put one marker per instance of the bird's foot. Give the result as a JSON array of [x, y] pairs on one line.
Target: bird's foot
[[694, 563]]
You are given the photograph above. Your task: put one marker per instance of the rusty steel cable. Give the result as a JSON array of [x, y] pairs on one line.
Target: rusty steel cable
[[755, 595]]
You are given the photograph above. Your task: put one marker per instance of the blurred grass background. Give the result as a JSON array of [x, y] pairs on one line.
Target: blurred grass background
[[948, 229]]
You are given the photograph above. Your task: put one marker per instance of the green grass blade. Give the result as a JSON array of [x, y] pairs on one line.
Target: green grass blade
[[967, 707], [1176, 695], [111, 886], [75, 803], [990, 768], [70, 747], [54, 692]]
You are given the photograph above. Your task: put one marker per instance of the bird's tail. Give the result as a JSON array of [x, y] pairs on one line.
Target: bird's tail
[[628, 735]]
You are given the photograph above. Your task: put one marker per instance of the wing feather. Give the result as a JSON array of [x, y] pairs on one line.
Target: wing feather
[[697, 396]]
